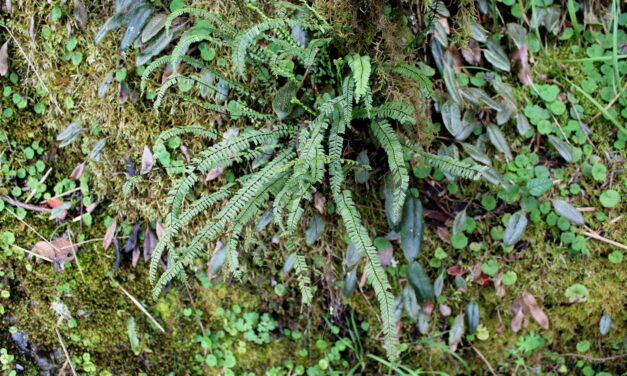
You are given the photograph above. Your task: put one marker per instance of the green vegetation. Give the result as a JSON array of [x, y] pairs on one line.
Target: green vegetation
[[313, 187]]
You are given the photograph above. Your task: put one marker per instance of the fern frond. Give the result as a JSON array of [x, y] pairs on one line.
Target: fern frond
[[462, 169], [195, 129], [376, 274], [401, 112], [415, 74], [304, 283], [188, 40], [202, 13], [163, 60], [360, 66], [386, 136]]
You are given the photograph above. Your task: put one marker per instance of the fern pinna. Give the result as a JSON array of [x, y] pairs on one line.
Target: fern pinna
[[299, 137]]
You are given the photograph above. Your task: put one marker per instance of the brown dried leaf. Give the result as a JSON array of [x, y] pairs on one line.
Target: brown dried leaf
[[108, 238], [31, 28], [159, 230], [445, 310], [146, 160], [386, 255], [472, 54], [524, 74], [320, 202], [44, 249], [92, 207], [123, 92], [427, 306], [498, 285], [214, 173], [150, 242], [63, 249], [519, 315], [186, 154], [4, 59], [136, 253], [78, 171], [537, 313], [80, 13], [444, 235]]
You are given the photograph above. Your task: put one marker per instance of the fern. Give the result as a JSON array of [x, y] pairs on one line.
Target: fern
[[304, 283], [386, 136], [454, 167], [360, 65], [376, 274], [415, 74]]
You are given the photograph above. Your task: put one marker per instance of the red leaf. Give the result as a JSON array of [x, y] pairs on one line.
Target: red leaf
[[456, 270]]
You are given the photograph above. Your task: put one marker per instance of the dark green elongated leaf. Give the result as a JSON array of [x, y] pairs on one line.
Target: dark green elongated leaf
[[515, 228], [505, 113], [457, 331], [387, 193], [498, 140], [438, 285], [468, 125], [605, 324], [451, 117], [478, 32], [451, 84], [563, 148], [505, 91], [137, 21], [95, 151], [410, 303], [476, 154], [522, 124], [472, 316], [362, 173], [314, 229], [423, 322], [153, 26], [218, 260], [568, 211], [496, 56], [69, 134], [518, 34], [160, 42], [412, 228], [492, 176], [539, 186], [289, 264], [352, 256], [420, 281], [265, 219], [460, 283], [479, 97], [112, 23], [459, 222], [104, 85], [349, 283]]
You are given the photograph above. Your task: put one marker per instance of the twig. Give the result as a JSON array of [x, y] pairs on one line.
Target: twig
[[599, 237], [67, 356], [35, 231], [587, 357], [69, 236], [36, 73], [63, 194], [31, 253], [484, 359], [32, 193], [138, 304], [22, 205]]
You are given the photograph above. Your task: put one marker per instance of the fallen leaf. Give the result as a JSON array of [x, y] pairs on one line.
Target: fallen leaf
[[150, 242], [123, 92], [445, 310], [92, 207], [4, 59], [427, 306], [80, 13], [146, 160], [386, 255], [456, 270], [472, 54], [319, 202], [78, 171], [159, 230], [108, 238], [131, 243], [186, 154], [214, 173], [519, 314], [498, 285], [63, 249], [44, 249], [444, 235], [53, 203], [8, 6], [135, 258], [31, 28], [524, 74], [535, 310]]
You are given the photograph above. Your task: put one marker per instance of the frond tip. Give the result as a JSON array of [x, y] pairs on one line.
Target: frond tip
[[463, 169]]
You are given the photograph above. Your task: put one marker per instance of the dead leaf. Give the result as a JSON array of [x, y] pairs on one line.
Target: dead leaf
[[427, 306], [320, 202], [53, 203], [80, 13], [31, 28], [498, 285], [44, 249], [214, 173], [524, 74], [8, 6], [386, 255], [63, 249], [444, 235], [456, 270], [445, 310], [519, 314], [186, 154], [92, 207], [537, 313], [123, 92], [135, 258], [4, 59], [131, 243], [146, 160], [159, 230], [78, 171], [108, 238], [150, 242], [472, 54]]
